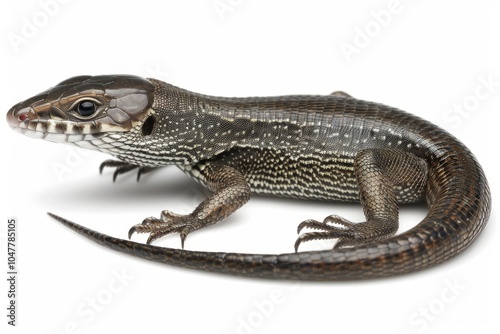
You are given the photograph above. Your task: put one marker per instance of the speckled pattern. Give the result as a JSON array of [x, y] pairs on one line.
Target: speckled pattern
[[327, 147]]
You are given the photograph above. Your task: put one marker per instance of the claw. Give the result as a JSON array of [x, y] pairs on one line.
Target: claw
[[110, 163], [102, 166], [297, 244], [344, 231], [115, 175], [139, 173], [151, 238], [311, 236], [334, 219], [304, 224], [183, 238], [347, 233], [169, 223], [124, 167], [314, 224], [131, 232], [144, 170]]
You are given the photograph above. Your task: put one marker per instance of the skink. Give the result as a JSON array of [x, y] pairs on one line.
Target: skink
[[325, 147]]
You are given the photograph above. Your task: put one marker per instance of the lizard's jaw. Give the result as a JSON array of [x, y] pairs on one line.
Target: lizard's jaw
[[52, 130], [24, 120]]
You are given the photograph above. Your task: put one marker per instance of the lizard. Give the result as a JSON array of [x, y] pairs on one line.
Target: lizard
[[321, 147]]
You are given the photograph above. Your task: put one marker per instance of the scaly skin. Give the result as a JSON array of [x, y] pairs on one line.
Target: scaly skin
[[331, 147]]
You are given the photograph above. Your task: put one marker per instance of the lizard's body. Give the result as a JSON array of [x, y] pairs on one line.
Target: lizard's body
[[331, 147]]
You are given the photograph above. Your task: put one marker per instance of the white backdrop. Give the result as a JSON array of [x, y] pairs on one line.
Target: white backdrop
[[440, 61]]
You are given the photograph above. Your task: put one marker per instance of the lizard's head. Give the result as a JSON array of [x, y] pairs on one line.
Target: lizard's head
[[97, 112]]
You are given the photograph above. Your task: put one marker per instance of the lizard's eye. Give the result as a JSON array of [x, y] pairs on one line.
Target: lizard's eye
[[86, 108]]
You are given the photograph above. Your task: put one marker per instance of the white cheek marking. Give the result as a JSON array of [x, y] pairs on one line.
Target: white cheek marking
[[40, 127], [51, 126]]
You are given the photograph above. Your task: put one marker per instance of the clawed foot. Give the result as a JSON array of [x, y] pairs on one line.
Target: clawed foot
[[168, 223], [347, 233], [124, 167]]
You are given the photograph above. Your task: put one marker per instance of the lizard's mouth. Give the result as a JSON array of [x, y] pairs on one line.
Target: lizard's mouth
[[17, 116], [53, 126], [24, 120]]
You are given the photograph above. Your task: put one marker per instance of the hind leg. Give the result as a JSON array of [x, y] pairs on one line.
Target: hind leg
[[385, 178]]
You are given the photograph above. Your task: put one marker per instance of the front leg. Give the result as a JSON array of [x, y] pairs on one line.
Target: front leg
[[231, 191]]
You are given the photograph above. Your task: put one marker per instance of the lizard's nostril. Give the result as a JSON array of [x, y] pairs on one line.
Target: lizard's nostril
[[23, 117], [16, 115]]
